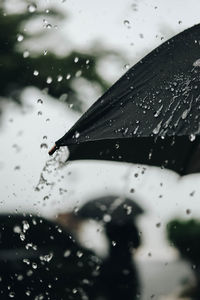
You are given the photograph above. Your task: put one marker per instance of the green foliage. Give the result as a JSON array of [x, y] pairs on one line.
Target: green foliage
[[57, 73], [185, 236]]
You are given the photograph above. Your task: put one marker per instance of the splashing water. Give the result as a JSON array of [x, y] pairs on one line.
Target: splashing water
[[51, 169]]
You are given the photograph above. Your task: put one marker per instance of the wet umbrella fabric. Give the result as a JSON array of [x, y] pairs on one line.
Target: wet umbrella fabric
[[151, 115], [111, 208]]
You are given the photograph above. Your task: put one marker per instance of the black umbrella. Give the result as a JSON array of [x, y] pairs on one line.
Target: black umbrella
[[117, 210], [151, 115]]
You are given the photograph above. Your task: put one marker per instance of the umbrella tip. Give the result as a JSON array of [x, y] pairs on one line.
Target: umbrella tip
[[53, 149]]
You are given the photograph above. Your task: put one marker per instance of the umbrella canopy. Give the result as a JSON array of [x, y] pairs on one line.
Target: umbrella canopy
[[110, 208], [151, 115]]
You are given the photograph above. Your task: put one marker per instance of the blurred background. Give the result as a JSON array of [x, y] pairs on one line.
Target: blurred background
[[56, 59]]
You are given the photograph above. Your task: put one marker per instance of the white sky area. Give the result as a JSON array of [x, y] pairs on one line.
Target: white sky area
[[162, 193]]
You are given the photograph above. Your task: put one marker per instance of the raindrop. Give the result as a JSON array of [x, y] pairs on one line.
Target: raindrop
[[26, 54], [47, 120], [45, 52], [77, 134], [20, 277], [76, 59], [126, 23], [26, 261], [20, 37], [59, 78], [48, 26], [78, 74], [26, 226], [74, 291], [157, 128], [192, 137], [44, 137], [126, 66], [32, 8], [107, 218], [68, 76], [179, 22], [28, 293], [188, 211], [49, 80], [158, 225], [46, 198], [17, 168], [79, 254], [67, 253], [132, 190], [22, 236], [34, 265], [196, 63], [43, 146], [40, 101], [11, 294], [114, 243], [39, 113], [192, 193], [35, 72], [157, 113], [87, 61], [17, 229]]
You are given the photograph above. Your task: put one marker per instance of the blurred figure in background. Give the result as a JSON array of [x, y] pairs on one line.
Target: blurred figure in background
[[118, 278]]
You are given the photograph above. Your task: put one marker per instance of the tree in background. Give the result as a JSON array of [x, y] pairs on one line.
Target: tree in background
[[20, 68]]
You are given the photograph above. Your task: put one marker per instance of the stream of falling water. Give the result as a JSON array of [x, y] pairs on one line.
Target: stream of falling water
[[52, 175]]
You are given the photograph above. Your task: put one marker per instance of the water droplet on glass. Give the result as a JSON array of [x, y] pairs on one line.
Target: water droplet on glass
[[26, 54], [45, 52], [67, 253], [192, 137], [126, 23], [107, 218], [79, 254], [20, 37], [39, 113], [76, 59], [132, 190], [68, 76], [48, 26], [114, 243], [11, 294], [34, 265], [35, 72], [77, 134], [196, 63], [49, 80], [22, 236], [43, 146], [126, 66], [40, 101], [32, 8], [59, 78], [188, 211], [157, 128], [158, 225]]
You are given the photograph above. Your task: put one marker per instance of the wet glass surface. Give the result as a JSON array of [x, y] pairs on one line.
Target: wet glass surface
[[88, 229]]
